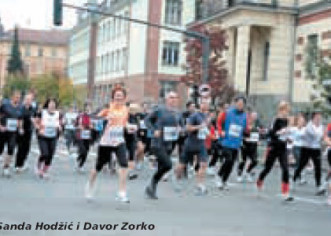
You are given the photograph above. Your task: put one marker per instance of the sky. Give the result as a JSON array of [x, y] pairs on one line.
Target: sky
[[36, 14]]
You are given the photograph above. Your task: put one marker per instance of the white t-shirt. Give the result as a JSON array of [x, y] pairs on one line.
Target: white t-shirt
[[51, 123]]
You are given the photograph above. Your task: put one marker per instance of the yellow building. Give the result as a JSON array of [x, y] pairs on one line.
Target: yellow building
[[42, 51]]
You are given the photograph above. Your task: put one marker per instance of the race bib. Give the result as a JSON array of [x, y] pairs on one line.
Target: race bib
[[116, 135], [142, 124], [170, 133], [50, 132], [11, 125], [203, 133], [235, 130], [85, 134], [254, 137], [131, 128]]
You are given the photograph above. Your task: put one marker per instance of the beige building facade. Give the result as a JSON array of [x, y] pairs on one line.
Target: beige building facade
[[266, 41], [42, 52]]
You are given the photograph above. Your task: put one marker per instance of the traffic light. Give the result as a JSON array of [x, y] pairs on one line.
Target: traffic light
[[57, 12]]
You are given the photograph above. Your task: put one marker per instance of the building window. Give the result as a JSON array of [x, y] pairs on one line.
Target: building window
[[166, 87], [173, 12], [40, 52], [266, 61], [54, 52], [27, 50], [300, 40], [170, 53], [298, 74], [312, 55]]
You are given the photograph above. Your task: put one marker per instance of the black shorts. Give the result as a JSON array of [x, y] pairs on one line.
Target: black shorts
[[104, 156], [9, 139], [329, 157], [189, 152]]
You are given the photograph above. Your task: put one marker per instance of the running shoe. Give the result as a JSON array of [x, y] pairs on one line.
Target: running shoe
[[303, 181], [89, 191], [249, 178], [81, 170], [211, 171], [151, 193], [259, 185], [165, 177], [201, 191], [287, 198], [223, 186], [6, 172], [18, 170], [133, 176], [239, 179], [321, 190], [46, 175], [123, 199], [175, 183]]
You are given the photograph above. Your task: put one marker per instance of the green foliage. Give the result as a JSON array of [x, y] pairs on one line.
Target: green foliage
[[15, 63], [15, 82], [53, 86], [318, 69]]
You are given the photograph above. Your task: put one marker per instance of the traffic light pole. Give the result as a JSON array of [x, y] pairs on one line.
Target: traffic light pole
[[204, 38]]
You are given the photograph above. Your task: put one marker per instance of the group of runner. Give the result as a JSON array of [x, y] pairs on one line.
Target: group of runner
[[203, 139]]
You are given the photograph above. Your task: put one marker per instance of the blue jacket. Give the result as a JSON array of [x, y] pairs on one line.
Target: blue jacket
[[234, 127]]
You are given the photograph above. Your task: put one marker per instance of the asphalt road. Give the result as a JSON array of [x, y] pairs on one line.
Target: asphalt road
[[240, 211]]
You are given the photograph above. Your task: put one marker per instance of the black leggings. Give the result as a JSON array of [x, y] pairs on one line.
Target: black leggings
[[47, 150], [164, 162], [9, 139], [83, 149], [104, 156], [249, 150], [131, 145], [275, 152], [216, 154], [230, 156], [24, 143], [315, 155]]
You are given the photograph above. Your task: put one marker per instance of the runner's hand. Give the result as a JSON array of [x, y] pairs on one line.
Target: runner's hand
[[157, 133], [2, 129]]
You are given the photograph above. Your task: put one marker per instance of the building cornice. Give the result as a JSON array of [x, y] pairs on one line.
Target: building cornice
[[315, 8], [245, 6]]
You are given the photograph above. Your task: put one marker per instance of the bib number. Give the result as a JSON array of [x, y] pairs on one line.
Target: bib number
[[235, 130], [50, 132], [11, 125], [85, 134], [254, 137], [142, 124], [116, 135], [202, 134], [170, 133]]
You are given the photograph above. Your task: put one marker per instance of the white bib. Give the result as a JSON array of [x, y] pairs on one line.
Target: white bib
[[11, 125], [235, 130], [203, 133], [85, 134], [170, 133], [50, 132], [142, 124], [116, 135], [50, 122], [254, 137], [131, 128]]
